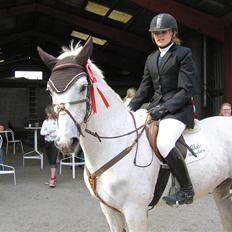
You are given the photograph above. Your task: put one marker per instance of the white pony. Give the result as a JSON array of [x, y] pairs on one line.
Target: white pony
[[125, 190]]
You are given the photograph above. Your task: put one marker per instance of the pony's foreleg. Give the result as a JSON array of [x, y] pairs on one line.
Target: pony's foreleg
[[136, 218], [115, 219], [224, 204]]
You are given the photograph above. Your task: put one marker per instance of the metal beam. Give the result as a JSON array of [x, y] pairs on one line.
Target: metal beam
[[199, 21], [123, 37], [13, 11], [108, 32], [102, 56]]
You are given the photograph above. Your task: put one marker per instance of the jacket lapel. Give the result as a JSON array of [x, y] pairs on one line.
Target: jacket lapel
[[154, 62], [166, 57]]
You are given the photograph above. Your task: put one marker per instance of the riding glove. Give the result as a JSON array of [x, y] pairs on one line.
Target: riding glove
[[159, 112]]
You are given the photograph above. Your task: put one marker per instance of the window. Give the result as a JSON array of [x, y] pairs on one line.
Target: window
[[32, 75]]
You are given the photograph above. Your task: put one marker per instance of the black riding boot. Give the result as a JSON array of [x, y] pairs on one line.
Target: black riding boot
[[178, 168]]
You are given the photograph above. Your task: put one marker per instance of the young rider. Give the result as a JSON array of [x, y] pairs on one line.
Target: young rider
[[169, 74]]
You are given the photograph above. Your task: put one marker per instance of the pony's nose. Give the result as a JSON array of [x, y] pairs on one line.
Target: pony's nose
[[74, 141]]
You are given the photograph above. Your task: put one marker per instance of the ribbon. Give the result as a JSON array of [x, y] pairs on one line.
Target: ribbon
[[93, 81]]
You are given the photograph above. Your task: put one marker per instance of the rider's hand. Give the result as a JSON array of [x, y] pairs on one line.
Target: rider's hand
[[158, 112]]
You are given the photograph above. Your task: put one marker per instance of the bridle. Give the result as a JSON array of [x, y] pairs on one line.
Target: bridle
[[61, 106], [138, 131]]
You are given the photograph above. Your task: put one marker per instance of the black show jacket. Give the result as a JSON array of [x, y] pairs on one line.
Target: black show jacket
[[170, 82]]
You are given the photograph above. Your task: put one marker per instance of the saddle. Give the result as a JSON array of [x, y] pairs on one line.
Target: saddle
[[152, 132]]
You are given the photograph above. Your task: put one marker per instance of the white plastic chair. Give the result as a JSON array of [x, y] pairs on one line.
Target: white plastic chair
[[6, 169], [10, 139], [71, 162]]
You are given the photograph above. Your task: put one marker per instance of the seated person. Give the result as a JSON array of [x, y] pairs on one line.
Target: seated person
[[1, 127], [225, 109]]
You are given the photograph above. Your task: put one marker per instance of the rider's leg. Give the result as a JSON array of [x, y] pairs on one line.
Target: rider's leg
[[169, 131], [179, 169]]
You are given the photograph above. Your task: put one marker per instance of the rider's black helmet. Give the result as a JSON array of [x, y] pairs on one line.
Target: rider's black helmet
[[162, 22]]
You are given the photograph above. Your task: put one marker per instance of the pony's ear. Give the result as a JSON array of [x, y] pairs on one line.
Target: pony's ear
[[49, 60], [85, 52]]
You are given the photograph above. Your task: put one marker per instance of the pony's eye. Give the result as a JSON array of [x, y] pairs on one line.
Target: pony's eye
[[83, 88]]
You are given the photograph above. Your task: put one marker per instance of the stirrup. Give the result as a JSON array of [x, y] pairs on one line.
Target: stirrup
[[180, 198]]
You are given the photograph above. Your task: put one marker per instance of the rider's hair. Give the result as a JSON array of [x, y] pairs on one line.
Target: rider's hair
[[175, 38]]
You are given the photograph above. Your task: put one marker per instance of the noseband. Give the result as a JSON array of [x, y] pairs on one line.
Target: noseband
[[61, 106]]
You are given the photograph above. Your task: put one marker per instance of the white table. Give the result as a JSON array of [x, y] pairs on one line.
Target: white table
[[35, 152]]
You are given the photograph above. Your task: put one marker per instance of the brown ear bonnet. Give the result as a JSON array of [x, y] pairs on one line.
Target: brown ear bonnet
[[66, 71]]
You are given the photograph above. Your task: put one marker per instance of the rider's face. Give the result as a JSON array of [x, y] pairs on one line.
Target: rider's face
[[162, 38]]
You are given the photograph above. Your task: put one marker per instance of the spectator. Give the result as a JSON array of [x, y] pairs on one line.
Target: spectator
[[49, 131], [1, 128], [225, 109], [129, 95]]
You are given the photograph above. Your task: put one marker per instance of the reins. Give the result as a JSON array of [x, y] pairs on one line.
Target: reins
[[109, 164], [99, 137]]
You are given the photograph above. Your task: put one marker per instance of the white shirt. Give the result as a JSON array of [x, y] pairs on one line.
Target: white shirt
[[164, 50], [49, 129]]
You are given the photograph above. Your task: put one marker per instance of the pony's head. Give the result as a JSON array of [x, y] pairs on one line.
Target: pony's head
[[69, 88]]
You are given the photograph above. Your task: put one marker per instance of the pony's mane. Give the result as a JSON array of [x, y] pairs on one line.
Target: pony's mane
[[73, 50]]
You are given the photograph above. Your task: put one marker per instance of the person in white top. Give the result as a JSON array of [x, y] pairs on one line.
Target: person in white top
[[49, 131]]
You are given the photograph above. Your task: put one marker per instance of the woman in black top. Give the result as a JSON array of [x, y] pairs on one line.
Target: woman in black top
[[169, 74]]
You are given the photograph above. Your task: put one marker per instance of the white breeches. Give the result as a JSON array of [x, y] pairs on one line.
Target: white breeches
[[170, 130]]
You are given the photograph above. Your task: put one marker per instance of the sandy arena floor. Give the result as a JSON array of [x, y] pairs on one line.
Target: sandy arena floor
[[31, 206]]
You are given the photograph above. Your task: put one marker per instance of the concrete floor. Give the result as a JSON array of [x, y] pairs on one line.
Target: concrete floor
[[33, 206]]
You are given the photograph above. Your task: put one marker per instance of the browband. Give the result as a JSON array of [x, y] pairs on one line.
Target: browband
[[62, 66]]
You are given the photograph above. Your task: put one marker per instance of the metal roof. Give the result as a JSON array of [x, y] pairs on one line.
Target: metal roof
[[25, 24]]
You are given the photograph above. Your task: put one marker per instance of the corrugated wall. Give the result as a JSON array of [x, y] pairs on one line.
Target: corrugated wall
[[215, 77]]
